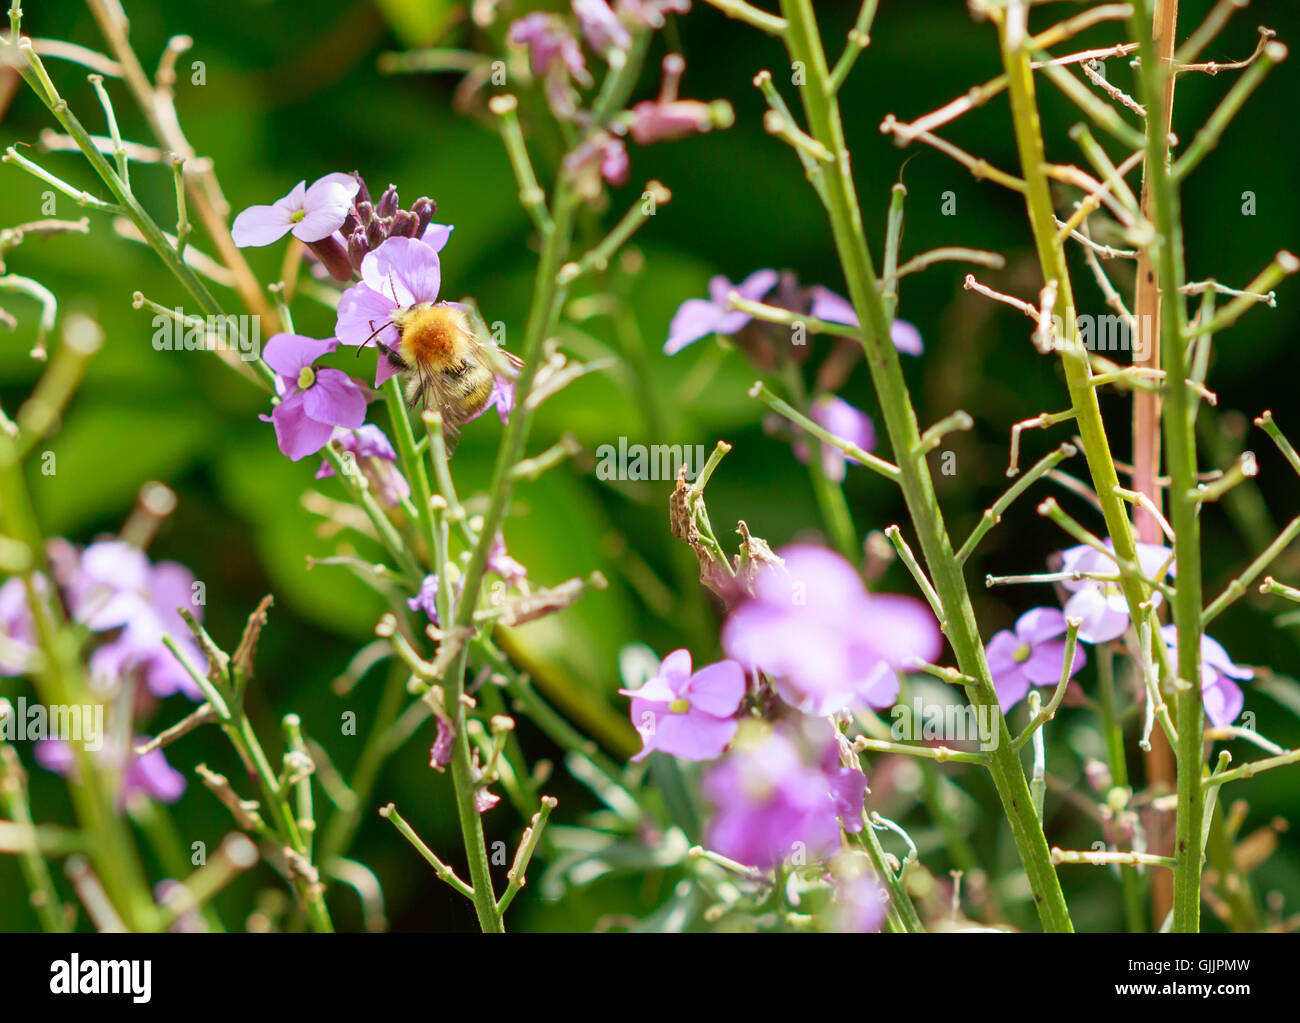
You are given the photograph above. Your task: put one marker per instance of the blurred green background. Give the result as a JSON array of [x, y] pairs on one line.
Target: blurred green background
[[292, 91]]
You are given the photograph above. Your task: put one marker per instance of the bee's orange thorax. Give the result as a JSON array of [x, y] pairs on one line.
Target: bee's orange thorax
[[431, 335]]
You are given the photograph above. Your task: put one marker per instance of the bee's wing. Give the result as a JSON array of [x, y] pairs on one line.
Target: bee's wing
[[492, 354], [514, 361]]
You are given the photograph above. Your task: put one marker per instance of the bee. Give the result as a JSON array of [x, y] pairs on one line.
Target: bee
[[447, 366]]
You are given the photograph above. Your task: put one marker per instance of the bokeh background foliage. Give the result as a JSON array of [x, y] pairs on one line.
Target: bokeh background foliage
[[292, 91]]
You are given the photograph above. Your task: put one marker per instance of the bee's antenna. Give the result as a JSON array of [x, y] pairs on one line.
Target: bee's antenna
[[374, 330]]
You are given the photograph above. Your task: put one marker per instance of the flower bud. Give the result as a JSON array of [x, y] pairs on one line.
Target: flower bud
[[363, 193], [387, 204], [424, 208], [404, 225], [357, 248]]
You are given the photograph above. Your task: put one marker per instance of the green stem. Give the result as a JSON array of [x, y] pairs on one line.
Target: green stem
[[918, 487], [1180, 445], [548, 297]]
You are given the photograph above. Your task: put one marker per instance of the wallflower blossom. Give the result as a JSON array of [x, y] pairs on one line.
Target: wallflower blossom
[[650, 13], [311, 214], [115, 587], [697, 318], [554, 57], [1099, 604], [600, 26], [427, 599], [312, 401], [837, 416], [149, 775], [824, 641], [1221, 696], [402, 272], [833, 308], [1032, 654], [690, 715], [859, 903], [780, 791], [667, 117], [501, 563], [602, 158], [18, 650], [376, 459]]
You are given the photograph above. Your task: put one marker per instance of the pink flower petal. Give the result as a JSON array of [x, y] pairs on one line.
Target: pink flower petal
[[288, 354], [718, 688], [335, 398], [260, 225], [297, 433]]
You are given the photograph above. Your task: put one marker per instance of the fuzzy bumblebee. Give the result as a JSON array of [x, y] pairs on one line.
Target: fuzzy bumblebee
[[445, 364]]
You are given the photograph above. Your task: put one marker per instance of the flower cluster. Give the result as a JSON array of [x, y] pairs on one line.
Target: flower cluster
[[553, 46], [783, 790], [808, 641], [130, 606], [1034, 652], [769, 345], [337, 220], [395, 254]]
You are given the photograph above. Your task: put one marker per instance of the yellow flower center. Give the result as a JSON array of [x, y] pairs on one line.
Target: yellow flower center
[[306, 377], [680, 705], [1022, 653]]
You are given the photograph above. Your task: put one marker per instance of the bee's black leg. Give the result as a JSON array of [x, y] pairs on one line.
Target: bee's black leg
[[391, 355]]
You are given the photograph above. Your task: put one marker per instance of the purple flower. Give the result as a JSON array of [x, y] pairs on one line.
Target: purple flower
[[375, 457], [859, 903], [699, 317], [18, 650], [1099, 603], [650, 13], [667, 117], [826, 642], [1031, 655], [114, 587], [833, 308], [402, 272], [312, 214], [149, 775], [602, 158], [312, 401], [1221, 696], [440, 751], [436, 236], [836, 415], [554, 57], [691, 716], [502, 396], [500, 561], [774, 795], [600, 26], [427, 599]]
